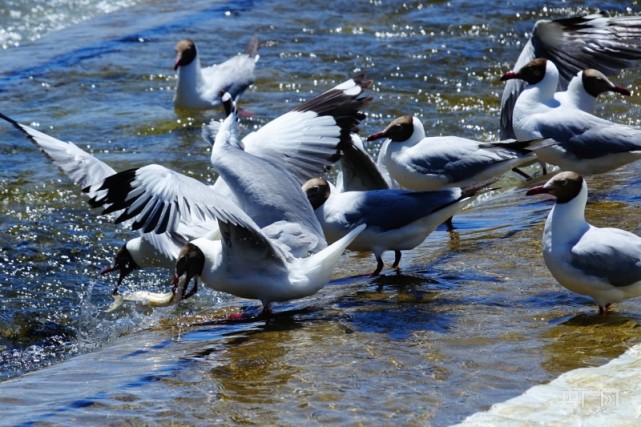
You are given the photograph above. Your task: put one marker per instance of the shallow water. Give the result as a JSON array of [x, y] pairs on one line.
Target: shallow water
[[471, 319]]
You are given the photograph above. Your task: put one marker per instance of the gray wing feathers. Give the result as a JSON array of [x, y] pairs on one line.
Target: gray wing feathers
[[616, 260], [390, 209], [266, 191], [81, 167], [588, 136], [159, 199], [458, 166], [253, 248], [608, 44]]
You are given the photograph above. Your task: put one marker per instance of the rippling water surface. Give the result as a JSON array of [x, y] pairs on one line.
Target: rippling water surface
[[472, 317]]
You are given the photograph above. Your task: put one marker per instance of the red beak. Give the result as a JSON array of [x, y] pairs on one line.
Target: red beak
[[536, 190], [377, 135], [509, 75], [621, 90]]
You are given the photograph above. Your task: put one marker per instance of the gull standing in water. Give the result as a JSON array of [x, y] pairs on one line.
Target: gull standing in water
[[396, 219], [422, 163], [417, 162], [607, 44], [604, 263], [582, 93]]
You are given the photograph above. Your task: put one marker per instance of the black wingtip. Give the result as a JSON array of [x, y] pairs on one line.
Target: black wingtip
[[9, 119], [526, 145], [94, 202], [344, 105], [228, 102], [335, 157], [15, 124], [117, 189]]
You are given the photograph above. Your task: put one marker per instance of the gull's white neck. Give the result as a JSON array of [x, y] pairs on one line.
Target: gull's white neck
[[392, 154], [190, 83], [566, 221], [576, 96], [418, 134], [190, 72], [536, 98], [211, 275]]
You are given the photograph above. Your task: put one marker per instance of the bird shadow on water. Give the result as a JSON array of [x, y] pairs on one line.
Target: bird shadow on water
[[397, 321], [588, 339], [251, 315], [594, 319], [396, 304]]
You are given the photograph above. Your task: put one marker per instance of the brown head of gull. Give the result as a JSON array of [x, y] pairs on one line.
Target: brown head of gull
[[603, 263]]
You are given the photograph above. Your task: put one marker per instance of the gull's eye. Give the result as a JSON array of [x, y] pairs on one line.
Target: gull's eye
[[563, 182]]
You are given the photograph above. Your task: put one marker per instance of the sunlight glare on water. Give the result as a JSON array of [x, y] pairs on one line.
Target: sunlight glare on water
[[472, 317]]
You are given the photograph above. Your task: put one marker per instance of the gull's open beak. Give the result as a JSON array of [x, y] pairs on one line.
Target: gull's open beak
[[120, 278], [181, 283]]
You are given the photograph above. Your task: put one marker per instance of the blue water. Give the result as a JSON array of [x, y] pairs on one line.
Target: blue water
[[471, 319]]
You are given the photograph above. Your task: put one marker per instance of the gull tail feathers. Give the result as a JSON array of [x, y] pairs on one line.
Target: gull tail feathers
[[252, 48], [319, 266], [527, 145]]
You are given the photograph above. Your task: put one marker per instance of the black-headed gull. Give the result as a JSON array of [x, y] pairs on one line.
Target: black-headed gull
[[421, 163], [607, 44], [199, 88], [604, 263], [148, 250], [586, 144], [585, 87], [266, 262], [583, 90], [396, 219]]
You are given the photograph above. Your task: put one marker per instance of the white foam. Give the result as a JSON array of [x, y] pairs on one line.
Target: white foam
[[605, 395]]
